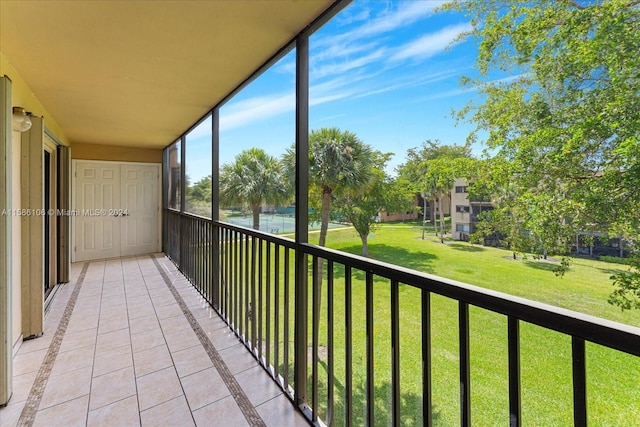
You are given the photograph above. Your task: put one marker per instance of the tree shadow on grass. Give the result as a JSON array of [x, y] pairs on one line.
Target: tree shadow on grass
[[541, 265], [419, 261], [466, 248], [410, 404]]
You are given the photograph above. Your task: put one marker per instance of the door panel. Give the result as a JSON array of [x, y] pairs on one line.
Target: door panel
[[98, 196], [140, 202]]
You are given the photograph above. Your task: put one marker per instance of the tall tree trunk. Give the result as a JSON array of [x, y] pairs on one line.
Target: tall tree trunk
[[324, 217], [441, 219], [434, 220], [424, 213], [365, 245], [324, 227], [256, 217]]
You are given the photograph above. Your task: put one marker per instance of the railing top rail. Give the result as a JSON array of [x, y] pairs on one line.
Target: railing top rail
[[611, 334], [188, 214], [284, 241]]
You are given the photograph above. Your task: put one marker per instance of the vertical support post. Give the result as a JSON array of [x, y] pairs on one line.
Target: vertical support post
[[64, 221], [301, 215], [427, 415], [165, 200], [6, 300], [183, 172], [32, 239], [515, 416], [215, 207], [465, 368], [579, 382]]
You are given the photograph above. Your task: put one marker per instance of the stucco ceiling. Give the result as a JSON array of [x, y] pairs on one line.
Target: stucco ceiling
[[139, 73]]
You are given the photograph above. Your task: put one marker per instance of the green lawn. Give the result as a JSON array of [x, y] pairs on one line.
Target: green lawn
[[613, 378]]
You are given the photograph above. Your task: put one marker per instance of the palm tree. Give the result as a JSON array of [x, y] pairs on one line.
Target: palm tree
[[338, 161], [252, 179]]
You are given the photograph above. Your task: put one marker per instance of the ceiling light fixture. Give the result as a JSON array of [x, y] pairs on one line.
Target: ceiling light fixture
[[21, 119]]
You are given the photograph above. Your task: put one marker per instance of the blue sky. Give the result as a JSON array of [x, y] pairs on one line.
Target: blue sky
[[388, 71]]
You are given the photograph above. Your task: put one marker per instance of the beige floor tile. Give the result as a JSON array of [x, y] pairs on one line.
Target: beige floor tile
[[73, 359], [223, 338], [173, 413], [181, 339], [123, 413], [10, 415], [144, 324], [77, 324], [190, 360], [112, 360], [135, 312], [158, 387], [161, 301], [110, 324], [280, 412], [66, 387], [203, 388], [28, 362], [21, 387], [258, 385], [174, 324], [78, 339], [168, 311], [146, 340], [113, 339], [113, 301], [112, 387], [152, 360], [238, 359], [36, 344], [110, 312], [71, 413], [224, 409]]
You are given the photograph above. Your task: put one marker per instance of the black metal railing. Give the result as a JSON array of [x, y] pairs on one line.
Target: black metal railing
[[354, 371]]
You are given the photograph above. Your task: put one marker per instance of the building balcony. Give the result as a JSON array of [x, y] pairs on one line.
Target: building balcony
[[131, 342]]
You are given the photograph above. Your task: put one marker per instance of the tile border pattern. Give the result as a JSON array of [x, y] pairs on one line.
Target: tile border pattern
[[248, 410], [28, 414]]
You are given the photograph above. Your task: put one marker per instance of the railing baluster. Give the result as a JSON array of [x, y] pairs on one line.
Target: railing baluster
[[268, 307], [251, 293], [427, 412], [330, 373], [465, 371], [395, 352], [258, 309], [276, 310], [514, 372], [348, 352], [287, 306], [315, 314], [369, 327], [579, 382]]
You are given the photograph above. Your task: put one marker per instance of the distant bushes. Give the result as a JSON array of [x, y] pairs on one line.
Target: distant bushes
[[615, 259]]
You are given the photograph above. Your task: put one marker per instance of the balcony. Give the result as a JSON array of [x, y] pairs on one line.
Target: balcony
[[338, 350], [130, 342]]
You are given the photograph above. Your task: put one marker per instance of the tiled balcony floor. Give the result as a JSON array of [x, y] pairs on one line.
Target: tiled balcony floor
[[126, 345]]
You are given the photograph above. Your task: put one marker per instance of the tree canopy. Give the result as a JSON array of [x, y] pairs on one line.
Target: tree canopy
[[563, 126], [252, 179]]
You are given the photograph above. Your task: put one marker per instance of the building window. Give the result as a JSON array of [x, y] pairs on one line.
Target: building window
[[461, 189], [462, 227], [462, 209]]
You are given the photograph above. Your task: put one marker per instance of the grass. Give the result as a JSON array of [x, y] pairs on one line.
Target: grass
[[613, 377]]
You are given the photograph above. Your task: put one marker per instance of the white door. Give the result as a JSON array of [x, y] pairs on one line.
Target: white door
[[116, 209], [141, 209]]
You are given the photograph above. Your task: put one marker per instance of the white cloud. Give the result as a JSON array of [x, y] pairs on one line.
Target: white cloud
[[406, 14], [258, 108], [430, 44]]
